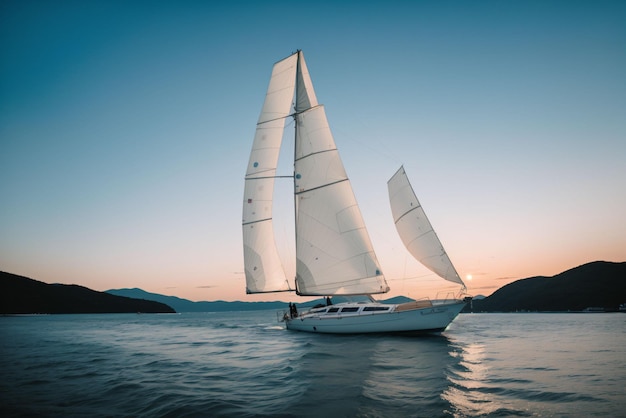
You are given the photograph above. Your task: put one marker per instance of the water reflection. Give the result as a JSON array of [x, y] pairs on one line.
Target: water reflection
[[244, 365], [373, 376], [408, 375], [524, 365], [467, 394]]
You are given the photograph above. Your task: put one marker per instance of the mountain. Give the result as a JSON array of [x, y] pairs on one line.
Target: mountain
[[21, 295], [597, 284], [184, 305]]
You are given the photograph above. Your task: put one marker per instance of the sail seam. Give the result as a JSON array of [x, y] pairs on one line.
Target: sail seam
[[272, 120], [407, 212], [316, 153], [268, 177], [322, 186], [257, 221]]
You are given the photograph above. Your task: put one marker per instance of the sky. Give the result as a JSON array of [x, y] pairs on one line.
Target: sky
[[126, 127]]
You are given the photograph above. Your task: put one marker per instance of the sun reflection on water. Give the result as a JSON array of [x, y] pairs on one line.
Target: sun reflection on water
[[468, 393]]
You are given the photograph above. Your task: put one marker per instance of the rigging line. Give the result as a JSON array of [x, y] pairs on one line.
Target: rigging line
[[322, 186], [298, 112], [351, 282], [343, 294], [271, 291], [290, 115], [266, 170], [375, 147]]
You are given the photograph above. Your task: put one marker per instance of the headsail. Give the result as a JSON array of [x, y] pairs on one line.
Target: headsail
[[334, 253], [263, 268], [415, 229]]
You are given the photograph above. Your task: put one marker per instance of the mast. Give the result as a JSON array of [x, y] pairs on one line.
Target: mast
[[295, 140]]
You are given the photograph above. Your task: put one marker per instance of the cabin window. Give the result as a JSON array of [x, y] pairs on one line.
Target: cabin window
[[351, 309], [332, 310], [376, 308]]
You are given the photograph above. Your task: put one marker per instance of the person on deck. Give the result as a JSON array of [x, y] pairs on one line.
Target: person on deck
[[293, 311]]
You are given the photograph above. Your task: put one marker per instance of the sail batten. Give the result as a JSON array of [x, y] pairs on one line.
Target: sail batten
[[314, 153], [320, 187], [261, 123], [415, 229], [256, 222]]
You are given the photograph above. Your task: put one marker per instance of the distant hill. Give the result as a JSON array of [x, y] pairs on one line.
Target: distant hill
[[184, 305], [598, 284], [21, 295]]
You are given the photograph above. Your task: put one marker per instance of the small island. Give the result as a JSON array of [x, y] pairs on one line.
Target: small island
[[21, 295]]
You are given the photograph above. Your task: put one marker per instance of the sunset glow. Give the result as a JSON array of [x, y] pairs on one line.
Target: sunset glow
[[126, 131]]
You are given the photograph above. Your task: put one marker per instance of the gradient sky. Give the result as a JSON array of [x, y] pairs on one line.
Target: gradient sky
[[126, 126]]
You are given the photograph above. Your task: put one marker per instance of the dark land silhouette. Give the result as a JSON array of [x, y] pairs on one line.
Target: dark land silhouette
[[21, 295], [599, 284]]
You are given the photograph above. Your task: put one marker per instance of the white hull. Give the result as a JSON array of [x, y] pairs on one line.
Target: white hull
[[396, 319]]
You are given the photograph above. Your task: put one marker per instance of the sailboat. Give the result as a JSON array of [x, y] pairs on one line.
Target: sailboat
[[335, 258]]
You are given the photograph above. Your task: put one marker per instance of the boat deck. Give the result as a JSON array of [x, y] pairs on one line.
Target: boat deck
[[360, 308], [416, 304]]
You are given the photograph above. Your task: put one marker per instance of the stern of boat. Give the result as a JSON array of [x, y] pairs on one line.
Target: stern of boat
[[282, 315]]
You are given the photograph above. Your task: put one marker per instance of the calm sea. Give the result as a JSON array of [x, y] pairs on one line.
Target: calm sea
[[245, 364]]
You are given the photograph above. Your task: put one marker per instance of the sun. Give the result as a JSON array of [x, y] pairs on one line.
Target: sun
[[468, 277]]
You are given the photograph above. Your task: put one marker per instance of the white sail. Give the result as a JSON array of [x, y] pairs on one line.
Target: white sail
[[263, 268], [415, 229], [334, 253], [305, 97]]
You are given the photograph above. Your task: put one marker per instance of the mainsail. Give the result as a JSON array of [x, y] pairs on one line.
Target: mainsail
[[263, 267], [415, 229], [334, 254]]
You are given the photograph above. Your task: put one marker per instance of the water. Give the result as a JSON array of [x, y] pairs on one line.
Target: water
[[244, 364]]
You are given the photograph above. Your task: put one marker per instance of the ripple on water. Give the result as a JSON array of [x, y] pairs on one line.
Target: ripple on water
[[243, 365]]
